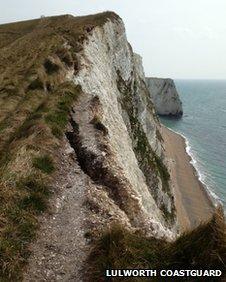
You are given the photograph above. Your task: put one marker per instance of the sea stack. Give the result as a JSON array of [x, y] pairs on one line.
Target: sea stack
[[165, 96]]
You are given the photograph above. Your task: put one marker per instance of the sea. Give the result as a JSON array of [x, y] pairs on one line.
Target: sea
[[204, 127]]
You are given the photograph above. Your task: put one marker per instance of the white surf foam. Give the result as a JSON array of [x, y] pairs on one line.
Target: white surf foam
[[201, 176]]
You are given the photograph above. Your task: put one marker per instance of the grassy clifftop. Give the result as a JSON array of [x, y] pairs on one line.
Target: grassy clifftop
[[35, 100]]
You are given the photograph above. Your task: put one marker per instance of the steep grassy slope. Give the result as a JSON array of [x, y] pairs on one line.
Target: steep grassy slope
[[202, 248], [36, 96]]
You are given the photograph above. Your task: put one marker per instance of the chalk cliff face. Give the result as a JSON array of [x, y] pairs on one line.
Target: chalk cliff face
[[165, 96], [112, 131], [120, 141]]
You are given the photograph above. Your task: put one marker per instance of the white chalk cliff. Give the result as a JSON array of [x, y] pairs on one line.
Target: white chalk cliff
[[113, 82], [165, 96]]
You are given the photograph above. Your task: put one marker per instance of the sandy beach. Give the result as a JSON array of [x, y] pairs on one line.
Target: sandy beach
[[193, 203]]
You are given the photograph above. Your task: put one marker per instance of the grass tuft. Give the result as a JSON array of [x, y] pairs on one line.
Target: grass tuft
[[36, 195], [57, 132], [44, 163], [35, 201], [57, 119]]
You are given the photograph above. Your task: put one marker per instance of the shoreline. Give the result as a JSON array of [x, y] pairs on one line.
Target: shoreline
[[194, 203], [214, 198]]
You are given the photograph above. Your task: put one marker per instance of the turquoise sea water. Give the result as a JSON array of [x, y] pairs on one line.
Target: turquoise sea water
[[204, 126]]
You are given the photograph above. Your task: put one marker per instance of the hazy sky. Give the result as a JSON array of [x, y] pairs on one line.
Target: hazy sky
[[176, 38]]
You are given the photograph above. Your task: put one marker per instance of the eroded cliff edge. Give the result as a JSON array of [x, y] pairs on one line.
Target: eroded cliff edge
[[116, 96], [165, 96]]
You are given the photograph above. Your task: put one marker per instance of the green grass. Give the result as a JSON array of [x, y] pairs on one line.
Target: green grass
[[56, 131], [57, 118], [202, 248], [36, 196], [44, 163], [30, 198]]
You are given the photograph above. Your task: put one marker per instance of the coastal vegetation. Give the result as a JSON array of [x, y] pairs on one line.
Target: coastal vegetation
[[35, 104], [201, 248], [44, 163]]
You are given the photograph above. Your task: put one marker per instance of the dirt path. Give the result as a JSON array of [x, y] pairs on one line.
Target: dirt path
[[81, 205], [61, 248]]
